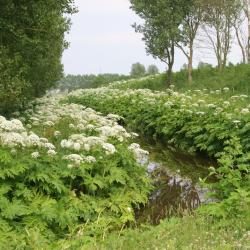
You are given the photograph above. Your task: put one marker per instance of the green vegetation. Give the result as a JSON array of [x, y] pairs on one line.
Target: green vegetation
[[152, 70], [237, 78], [73, 174], [137, 70], [72, 178], [189, 233], [31, 46], [171, 24], [211, 123], [73, 82]]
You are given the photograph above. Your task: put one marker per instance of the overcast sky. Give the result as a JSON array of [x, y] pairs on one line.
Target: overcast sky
[[103, 41]]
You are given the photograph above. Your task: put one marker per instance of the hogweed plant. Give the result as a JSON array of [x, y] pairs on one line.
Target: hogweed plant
[[66, 171]]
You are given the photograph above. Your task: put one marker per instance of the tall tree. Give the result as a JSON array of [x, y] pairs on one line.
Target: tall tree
[[239, 18], [162, 19], [218, 28], [189, 28], [32, 40], [246, 4]]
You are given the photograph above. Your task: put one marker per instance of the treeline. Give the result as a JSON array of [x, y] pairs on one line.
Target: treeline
[[31, 46], [213, 26], [73, 82]]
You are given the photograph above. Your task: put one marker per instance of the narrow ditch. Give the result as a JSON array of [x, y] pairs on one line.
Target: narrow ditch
[[175, 178]]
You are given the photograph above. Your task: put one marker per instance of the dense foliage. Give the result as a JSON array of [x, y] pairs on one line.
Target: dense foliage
[[214, 123], [68, 174], [137, 70], [73, 82], [31, 46]]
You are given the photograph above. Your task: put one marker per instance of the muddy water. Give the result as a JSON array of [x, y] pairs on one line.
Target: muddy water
[[175, 177]]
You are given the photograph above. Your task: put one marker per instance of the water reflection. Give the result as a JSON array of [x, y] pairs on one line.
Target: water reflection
[[176, 190]]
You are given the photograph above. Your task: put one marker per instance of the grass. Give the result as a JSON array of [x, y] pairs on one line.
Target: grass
[[189, 233], [237, 78]]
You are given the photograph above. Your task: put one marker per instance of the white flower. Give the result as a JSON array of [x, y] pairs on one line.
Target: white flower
[[211, 105], [236, 121], [71, 126], [90, 159], [49, 146], [129, 209], [87, 147], [35, 155], [244, 111], [77, 146], [114, 117], [2, 119], [13, 125], [134, 135], [139, 154], [243, 96], [33, 140], [226, 103], [109, 148], [201, 101], [13, 151], [51, 152], [49, 123], [66, 144], [57, 133], [12, 139], [90, 127], [75, 158], [168, 104]]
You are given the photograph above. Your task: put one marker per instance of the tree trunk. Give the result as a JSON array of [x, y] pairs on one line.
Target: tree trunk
[[169, 75], [241, 45], [170, 63], [190, 64], [248, 17]]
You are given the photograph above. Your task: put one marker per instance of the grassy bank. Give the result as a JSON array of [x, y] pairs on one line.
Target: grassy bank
[[237, 78], [189, 233]]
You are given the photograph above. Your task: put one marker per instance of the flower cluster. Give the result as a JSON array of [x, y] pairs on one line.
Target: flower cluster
[[140, 154], [88, 131]]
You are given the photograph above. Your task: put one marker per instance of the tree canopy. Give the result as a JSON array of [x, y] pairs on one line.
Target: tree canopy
[[31, 46], [137, 70]]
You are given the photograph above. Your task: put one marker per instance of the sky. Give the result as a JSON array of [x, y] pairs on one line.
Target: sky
[[102, 40]]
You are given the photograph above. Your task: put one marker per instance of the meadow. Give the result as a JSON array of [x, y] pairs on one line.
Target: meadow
[[72, 174]]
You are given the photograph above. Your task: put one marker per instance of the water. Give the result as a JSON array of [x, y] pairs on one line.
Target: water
[[175, 177]]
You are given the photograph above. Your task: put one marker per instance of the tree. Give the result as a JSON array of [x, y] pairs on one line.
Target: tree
[[239, 21], [246, 4], [218, 24], [189, 28], [32, 41], [137, 70], [152, 70], [162, 20]]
